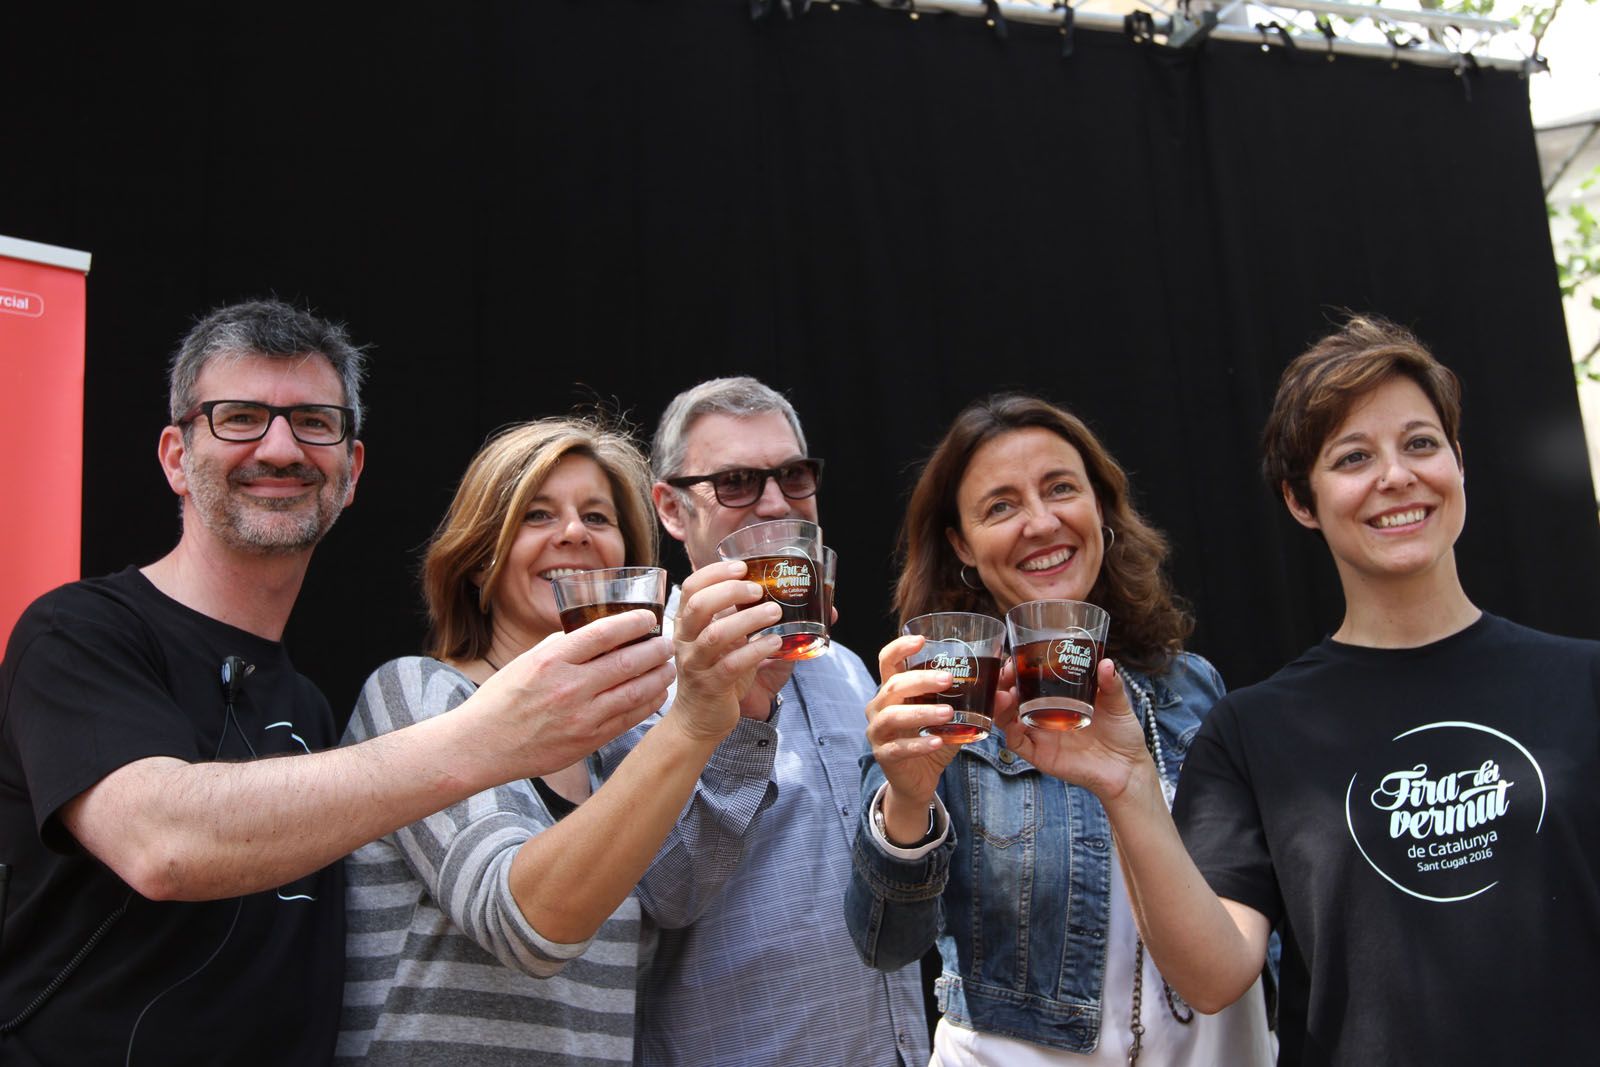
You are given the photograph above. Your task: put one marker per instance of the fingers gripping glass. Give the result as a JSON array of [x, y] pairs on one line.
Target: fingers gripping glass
[[740, 487], [246, 420]]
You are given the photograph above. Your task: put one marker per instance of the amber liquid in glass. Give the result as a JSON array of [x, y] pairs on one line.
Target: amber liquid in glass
[[790, 581], [1056, 688], [584, 614], [971, 695]]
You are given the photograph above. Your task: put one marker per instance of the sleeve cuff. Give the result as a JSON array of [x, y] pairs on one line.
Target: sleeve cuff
[[941, 821]]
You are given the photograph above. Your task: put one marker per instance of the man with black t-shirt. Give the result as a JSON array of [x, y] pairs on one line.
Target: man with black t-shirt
[[176, 895]]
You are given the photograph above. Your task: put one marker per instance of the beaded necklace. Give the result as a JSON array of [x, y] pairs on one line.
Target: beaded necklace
[[1175, 1004]]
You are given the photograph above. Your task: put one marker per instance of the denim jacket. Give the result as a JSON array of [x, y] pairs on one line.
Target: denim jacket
[[1018, 896]]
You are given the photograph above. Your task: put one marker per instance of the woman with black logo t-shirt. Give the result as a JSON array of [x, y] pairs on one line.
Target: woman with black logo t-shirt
[[1410, 803]]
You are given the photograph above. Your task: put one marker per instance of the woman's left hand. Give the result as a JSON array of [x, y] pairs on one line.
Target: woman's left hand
[[1101, 757]]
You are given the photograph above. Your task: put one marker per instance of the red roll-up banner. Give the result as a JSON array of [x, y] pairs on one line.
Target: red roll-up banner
[[41, 420]]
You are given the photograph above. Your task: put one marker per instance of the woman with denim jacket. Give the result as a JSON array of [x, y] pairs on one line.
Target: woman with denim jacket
[[1011, 871]]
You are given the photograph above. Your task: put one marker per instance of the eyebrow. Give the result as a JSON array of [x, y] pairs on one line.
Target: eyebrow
[[590, 502], [796, 458]]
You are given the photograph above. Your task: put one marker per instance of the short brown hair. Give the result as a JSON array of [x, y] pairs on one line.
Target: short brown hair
[[477, 531], [1149, 622], [1320, 387]]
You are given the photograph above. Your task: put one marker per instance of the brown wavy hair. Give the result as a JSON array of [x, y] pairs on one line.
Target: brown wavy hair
[[1149, 622], [1323, 383], [475, 535]]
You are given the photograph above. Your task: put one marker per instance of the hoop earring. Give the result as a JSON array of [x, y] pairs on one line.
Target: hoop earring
[[978, 588], [1110, 536]]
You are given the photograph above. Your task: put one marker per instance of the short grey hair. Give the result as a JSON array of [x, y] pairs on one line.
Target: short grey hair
[[740, 397], [264, 328]]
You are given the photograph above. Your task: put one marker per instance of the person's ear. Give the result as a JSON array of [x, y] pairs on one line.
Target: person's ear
[[672, 509], [1303, 515], [358, 459], [170, 450], [959, 543]]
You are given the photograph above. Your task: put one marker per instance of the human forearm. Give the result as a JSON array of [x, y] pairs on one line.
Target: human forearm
[[1208, 949], [569, 879], [891, 904], [176, 830], [203, 831]]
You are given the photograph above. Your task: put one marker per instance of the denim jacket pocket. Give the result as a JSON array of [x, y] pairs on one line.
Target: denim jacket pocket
[[1001, 812]]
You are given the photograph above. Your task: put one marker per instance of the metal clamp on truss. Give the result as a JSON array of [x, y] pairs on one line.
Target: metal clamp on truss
[[1140, 26], [1067, 21]]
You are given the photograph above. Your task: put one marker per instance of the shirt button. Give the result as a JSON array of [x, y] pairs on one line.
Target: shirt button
[[761, 743], [1007, 756], [845, 812]]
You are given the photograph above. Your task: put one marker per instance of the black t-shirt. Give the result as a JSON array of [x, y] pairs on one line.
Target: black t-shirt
[[98, 674], [1423, 827]]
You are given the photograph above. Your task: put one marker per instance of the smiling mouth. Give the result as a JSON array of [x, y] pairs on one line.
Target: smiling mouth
[[277, 488], [561, 572], [265, 480], [1047, 561], [1399, 518]]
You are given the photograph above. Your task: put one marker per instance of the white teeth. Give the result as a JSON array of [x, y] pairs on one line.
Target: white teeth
[[1044, 563], [560, 572], [1400, 518]]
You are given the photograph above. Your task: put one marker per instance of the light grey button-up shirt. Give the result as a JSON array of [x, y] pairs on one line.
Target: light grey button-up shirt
[[764, 971]]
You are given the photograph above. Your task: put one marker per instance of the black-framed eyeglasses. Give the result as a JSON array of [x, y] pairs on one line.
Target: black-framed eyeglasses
[[739, 487], [249, 420]]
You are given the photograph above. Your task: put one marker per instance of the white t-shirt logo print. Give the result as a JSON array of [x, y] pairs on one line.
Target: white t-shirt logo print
[[1443, 821]]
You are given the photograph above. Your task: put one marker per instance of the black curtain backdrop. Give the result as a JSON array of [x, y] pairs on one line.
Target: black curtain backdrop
[[527, 206]]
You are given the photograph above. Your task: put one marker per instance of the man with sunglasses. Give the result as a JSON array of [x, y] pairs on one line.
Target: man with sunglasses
[[764, 972], [176, 893]]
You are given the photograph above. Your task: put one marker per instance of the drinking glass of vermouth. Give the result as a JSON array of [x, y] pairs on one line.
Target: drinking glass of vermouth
[[785, 558], [584, 597], [970, 648], [1057, 646]]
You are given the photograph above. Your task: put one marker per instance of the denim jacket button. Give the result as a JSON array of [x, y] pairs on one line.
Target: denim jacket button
[[1007, 756]]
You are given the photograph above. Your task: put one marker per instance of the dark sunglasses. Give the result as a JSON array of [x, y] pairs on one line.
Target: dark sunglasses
[[740, 487]]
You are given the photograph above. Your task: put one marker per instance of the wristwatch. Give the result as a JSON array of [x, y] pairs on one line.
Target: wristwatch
[[883, 830]]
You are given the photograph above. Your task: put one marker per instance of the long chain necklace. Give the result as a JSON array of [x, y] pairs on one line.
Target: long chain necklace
[[1175, 1004]]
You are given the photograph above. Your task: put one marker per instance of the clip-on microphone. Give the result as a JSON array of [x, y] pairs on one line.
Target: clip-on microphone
[[234, 671]]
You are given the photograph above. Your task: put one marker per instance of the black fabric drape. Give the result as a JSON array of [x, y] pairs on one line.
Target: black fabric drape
[[525, 206]]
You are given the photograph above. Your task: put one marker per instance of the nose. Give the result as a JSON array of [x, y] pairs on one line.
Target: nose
[[279, 446], [574, 530], [1041, 520], [1396, 474], [772, 504]]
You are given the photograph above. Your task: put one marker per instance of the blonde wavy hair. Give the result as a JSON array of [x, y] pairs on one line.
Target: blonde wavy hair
[[475, 535]]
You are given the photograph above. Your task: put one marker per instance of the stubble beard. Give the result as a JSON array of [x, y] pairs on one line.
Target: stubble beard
[[269, 526]]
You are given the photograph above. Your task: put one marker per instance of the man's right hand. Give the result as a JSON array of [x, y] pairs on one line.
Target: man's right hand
[[571, 693], [720, 658]]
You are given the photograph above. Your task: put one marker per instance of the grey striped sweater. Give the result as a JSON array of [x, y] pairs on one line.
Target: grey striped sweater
[[442, 967]]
